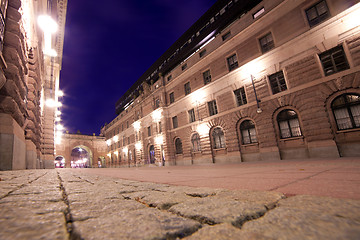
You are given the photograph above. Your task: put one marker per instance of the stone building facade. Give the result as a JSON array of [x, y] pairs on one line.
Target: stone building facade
[[30, 63], [249, 81]]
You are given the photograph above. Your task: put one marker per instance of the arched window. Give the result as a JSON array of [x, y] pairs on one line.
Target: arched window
[[346, 109], [288, 124], [248, 133], [195, 141], [178, 146], [218, 138]]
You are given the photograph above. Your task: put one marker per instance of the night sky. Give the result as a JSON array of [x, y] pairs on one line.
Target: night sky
[[108, 45]]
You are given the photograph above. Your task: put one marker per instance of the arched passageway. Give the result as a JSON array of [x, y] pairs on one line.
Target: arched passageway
[[81, 157]]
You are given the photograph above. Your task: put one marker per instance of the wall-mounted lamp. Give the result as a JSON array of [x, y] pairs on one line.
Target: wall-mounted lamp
[[259, 110]]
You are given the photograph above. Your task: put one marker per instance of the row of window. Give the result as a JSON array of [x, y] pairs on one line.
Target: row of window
[[346, 110]]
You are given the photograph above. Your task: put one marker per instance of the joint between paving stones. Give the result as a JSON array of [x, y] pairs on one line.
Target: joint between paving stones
[[21, 186], [73, 235]]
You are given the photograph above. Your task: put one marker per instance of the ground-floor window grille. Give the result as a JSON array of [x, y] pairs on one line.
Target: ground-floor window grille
[[248, 132], [218, 138], [195, 141], [346, 109], [289, 125]]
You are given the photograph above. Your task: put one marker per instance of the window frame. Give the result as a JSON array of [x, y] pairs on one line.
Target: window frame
[[175, 122], [178, 146], [248, 129], [346, 105], [319, 18], [269, 45], [207, 77], [212, 107], [232, 64], [331, 52], [171, 97], [195, 147], [278, 82], [221, 138], [191, 114], [187, 88], [241, 96], [289, 126]]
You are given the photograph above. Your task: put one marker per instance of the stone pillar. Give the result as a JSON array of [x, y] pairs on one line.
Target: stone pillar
[[12, 144], [31, 155]]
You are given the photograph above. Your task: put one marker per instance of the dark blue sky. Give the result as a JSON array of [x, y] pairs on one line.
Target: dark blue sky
[[108, 45]]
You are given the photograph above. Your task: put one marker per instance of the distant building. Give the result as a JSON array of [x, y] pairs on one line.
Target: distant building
[[249, 81], [31, 45]]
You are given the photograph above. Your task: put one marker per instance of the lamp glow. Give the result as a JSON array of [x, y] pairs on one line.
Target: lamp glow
[[116, 153], [138, 145], [109, 155], [159, 139], [203, 129], [137, 125], [50, 103], [59, 127], [156, 115], [108, 142], [115, 138], [125, 150], [47, 24]]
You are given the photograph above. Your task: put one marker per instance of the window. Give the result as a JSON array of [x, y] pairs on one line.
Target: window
[[248, 133], [191, 115], [175, 122], [149, 131], [259, 12], [178, 146], [127, 124], [218, 138], [187, 88], [288, 124], [202, 53], [277, 82], [159, 127], [334, 60], [207, 77], [169, 77], [195, 141], [266, 43], [212, 107], [128, 140], [317, 13], [240, 96], [232, 62], [226, 36], [172, 98], [346, 109], [157, 103], [124, 140], [183, 67]]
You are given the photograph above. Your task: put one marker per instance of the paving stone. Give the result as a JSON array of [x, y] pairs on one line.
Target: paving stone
[[307, 217], [146, 223], [224, 231]]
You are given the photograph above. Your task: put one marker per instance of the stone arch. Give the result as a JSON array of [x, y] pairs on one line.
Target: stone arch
[[87, 149]]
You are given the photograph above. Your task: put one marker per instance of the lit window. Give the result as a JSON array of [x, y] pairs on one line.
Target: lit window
[[259, 12], [175, 122], [226, 36], [266, 43], [277, 82], [240, 96], [187, 88], [232, 62], [288, 124], [191, 113], [178, 146], [334, 60], [317, 13], [207, 77], [195, 141], [346, 109], [172, 98], [212, 108], [218, 138], [248, 133]]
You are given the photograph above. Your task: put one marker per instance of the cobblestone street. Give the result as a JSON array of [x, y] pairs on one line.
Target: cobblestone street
[[69, 204]]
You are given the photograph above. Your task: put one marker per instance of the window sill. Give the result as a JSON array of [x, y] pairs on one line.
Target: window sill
[[219, 149], [348, 130], [291, 138], [250, 144]]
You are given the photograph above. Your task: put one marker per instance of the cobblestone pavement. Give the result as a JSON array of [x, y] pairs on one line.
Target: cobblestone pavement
[[64, 204]]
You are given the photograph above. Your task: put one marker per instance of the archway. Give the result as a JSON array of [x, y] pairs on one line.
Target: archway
[[59, 162], [81, 157], [152, 154], [101, 162]]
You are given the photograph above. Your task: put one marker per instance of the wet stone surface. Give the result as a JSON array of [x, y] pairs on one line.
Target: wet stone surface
[[67, 204]]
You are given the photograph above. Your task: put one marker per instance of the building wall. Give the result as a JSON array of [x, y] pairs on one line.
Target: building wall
[[309, 91], [25, 82]]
